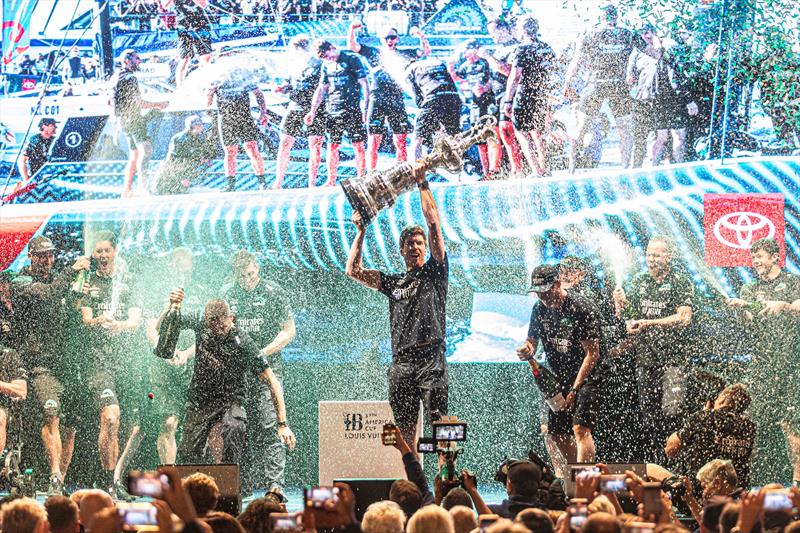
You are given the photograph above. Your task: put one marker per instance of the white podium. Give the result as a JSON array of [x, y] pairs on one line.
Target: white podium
[[350, 444]]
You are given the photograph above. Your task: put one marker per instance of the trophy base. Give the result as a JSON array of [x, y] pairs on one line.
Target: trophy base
[[359, 200]]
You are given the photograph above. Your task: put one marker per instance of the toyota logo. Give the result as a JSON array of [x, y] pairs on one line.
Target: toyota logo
[[741, 229]]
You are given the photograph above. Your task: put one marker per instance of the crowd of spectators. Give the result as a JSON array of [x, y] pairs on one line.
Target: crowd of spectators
[[654, 503]]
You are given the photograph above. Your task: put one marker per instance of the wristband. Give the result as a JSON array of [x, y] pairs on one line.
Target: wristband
[[283, 424], [507, 104], [423, 185]]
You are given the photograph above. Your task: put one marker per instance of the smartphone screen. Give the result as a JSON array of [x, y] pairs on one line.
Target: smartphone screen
[[450, 432], [317, 496], [283, 522], [578, 514], [388, 436], [613, 484], [778, 500], [147, 484], [139, 514], [426, 446]]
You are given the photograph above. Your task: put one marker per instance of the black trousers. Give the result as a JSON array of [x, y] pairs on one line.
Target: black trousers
[[197, 426]]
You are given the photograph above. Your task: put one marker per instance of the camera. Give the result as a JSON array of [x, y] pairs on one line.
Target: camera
[[578, 513], [613, 484], [778, 500], [147, 484], [450, 431], [388, 437], [315, 497], [674, 486], [138, 516]]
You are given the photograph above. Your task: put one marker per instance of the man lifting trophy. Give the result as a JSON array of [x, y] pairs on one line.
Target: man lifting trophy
[[380, 189]]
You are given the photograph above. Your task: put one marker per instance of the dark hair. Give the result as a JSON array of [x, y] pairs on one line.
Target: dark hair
[[536, 520], [62, 513], [602, 523], [500, 22], [457, 496], [104, 235], [255, 519], [407, 495], [729, 517], [223, 523], [768, 245], [738, 398], [321, 47], [408, 231], [525, 478]]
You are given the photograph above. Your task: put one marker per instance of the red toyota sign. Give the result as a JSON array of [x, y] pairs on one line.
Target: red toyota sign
[[733, 222]]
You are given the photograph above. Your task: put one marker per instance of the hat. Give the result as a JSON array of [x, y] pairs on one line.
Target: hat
[[48, 122], [391, 32], [40, 245], [471, 44], [192, 121], [543, 277]]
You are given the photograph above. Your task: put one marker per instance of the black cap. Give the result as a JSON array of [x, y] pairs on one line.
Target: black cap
[[543, 277], [391, 32], [48, 122]]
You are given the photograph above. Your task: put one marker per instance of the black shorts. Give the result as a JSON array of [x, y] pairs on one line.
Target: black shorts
[[669, 115], [136, 132], [237, 126], [47, 392], [194, 43], [293, 125], [594, 94], [481, 106], [441, 112], [530, 114], [169, 385], [387, 108], [349, 121], [417, 376], [584, 413]]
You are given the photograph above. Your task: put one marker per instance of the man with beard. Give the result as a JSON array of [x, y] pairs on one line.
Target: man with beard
[[385, 95], [262, 312], [128, 105], [216, 422], [39, 327], [111, 312], [770, 306], [568, 327], [657, 306]]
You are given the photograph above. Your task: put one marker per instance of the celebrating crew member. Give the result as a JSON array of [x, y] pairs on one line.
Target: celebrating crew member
[[530, 72], [37, 152], [40, 310], [770, 305], [262, 312], [416, 314], [190, 152], [568, 327], [604, 52], [500, 61], [344, 82], [13, 377], [128, 105], [111, 312], [385, 94], [474, 72], [216, 421], [657, 307], [237, 126], [194, 34], [300, 90], [437, 99]]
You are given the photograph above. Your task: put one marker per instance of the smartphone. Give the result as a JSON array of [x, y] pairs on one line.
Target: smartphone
[[640, 527], [426, 445], [138, 516], [286, 522], [450, 432], [147, 483], [576, 470], [652, 499], [578, 513], [387, 435], [613, 484], [778, 500], [486, 520], [317, 496]]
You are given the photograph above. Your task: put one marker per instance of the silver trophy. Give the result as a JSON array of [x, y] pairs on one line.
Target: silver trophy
[[380, 189]]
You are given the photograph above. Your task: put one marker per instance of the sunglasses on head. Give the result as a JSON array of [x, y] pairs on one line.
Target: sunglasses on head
[[391, 37]]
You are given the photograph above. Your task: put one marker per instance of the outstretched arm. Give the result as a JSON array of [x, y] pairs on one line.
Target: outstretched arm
[[355, 268], [431, 213]]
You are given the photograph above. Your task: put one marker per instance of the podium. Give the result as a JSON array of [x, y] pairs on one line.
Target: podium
[[350, 444]]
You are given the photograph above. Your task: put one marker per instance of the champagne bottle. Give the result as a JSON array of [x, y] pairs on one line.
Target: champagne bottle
[[548, 386], [168, 332]]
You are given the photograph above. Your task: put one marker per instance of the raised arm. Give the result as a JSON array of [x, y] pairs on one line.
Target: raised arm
[[355, 269], [352, 42], [431, 213]]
